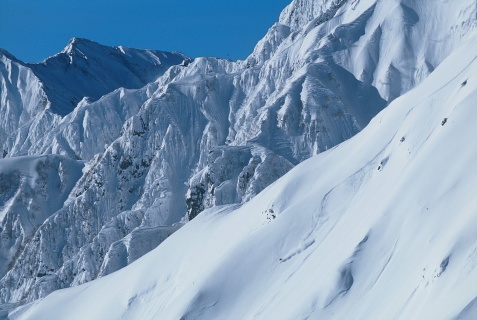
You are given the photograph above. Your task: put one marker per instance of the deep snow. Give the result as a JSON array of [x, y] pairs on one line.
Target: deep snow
[[204, 133], [381, 227]]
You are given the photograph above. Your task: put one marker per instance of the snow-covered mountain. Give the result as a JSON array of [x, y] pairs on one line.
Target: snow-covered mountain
[[161, 137], [34, 97], [384, 226]]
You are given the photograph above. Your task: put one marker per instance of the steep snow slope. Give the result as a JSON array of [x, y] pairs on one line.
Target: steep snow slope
[[214, 132], [22, 100], [381, 227], [31, 189], [395, 45]]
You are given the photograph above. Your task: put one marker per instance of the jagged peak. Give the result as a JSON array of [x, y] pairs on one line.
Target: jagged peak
[[296, 16], [85, 47], [79, 40], [300, 12]]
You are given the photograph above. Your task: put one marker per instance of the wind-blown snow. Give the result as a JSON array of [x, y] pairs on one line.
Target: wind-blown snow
[[381, 227]]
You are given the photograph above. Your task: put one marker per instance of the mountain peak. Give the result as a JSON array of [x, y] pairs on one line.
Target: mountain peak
[[76, 44], [85, 68], [300, 12]]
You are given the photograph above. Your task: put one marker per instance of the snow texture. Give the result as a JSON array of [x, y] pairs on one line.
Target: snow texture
[[380, 227], [152, 139]]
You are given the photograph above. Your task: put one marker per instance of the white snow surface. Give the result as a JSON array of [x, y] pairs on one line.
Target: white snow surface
[[163, 137], [35, 97], [32, 188], [383, 226]]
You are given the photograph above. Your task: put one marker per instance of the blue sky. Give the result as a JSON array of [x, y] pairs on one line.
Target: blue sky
[[34, 29]]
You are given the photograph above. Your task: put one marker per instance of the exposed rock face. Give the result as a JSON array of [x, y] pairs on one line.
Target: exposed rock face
[[188, 135]]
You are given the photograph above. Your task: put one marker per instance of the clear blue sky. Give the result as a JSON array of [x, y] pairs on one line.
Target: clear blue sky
[[32, 30]]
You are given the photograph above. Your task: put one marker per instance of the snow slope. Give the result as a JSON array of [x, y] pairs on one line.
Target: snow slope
[[382, 226], [205, 133], [392, 44], [22, 100], [31, 189]]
